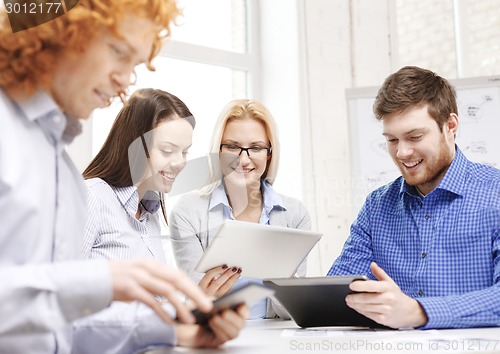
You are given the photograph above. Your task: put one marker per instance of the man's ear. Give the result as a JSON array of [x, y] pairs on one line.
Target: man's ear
[[452, 124]]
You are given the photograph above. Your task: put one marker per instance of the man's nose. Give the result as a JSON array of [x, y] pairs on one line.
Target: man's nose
[[404, 150]]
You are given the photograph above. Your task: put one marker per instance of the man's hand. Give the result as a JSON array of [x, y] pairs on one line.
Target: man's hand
[[221, 328], [142, 280], [219, 280], [384, 302]]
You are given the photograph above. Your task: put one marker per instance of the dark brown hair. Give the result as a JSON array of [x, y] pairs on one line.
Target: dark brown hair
[[145, 109], [413, 87]]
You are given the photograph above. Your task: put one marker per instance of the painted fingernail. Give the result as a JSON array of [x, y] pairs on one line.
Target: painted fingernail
[[224, 266], [239, 270], [233, 269]]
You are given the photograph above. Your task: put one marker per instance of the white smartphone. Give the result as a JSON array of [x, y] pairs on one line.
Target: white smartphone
[[247, 294]]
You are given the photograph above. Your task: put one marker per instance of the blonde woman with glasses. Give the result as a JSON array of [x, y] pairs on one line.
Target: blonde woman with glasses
[[246, 141]]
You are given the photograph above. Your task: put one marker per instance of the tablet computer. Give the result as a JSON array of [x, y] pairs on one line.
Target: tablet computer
[[261, 251], [320, 302], [247, 294]]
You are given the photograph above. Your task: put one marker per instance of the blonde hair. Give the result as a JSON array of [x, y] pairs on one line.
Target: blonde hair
[[28, 58], [238, 110]]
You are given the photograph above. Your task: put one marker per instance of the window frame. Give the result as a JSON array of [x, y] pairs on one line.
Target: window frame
[[81, 150]]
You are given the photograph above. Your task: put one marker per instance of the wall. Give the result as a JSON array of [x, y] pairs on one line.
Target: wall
[[357, 43], [280, 87], [426, 31], [345, 44], [429, 36]]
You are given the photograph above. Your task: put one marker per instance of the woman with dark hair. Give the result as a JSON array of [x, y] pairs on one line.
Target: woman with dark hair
[[142, 156], [144, 152]]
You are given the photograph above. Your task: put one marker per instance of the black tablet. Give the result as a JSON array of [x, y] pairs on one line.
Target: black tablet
[[319, 302], [247, 294]]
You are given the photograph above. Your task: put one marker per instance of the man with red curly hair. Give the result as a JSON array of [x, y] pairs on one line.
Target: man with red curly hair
[[51, 76]]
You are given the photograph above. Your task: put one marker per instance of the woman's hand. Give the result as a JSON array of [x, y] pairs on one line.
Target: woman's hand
[[219, 280]]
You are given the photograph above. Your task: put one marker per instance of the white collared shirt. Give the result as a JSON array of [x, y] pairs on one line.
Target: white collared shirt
[[42, 199], [112, 230]]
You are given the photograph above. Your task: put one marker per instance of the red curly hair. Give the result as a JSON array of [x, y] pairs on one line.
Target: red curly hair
[[28, 58]]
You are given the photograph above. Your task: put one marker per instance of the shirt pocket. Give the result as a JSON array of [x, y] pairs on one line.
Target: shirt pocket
[[469, 231]]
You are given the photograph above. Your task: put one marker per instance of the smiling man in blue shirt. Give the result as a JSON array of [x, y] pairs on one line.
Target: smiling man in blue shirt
[[430, 239]]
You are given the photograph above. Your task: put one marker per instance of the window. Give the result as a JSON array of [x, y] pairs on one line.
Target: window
[[481, 21], [208, 61], [220, 24], [204, 88], [455, 38]]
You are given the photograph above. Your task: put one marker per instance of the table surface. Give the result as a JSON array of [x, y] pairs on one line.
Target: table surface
[[277, 336]]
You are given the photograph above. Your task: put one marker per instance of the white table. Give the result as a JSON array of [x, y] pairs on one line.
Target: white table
[[276, 336]]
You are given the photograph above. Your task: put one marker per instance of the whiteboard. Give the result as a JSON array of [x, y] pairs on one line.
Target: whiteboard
[[478, 136]]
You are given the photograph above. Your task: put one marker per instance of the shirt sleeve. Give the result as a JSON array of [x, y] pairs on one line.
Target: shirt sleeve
[[186, 244], [93, 222], [473, 309], [39, 298], [123, 328], [357, 253]]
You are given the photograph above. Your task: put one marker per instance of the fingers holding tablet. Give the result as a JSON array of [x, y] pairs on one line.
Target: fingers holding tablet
[[219, 280], [248, 295], [216, 330]]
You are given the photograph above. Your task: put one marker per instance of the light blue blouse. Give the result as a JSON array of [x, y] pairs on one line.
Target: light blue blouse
[[271, 201]]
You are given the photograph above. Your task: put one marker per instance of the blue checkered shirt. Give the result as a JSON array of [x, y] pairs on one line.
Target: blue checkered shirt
[[442, 249]]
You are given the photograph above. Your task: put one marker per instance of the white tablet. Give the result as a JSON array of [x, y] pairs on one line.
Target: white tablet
[[261, 251]]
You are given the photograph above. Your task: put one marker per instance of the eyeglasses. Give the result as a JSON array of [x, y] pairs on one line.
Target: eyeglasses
[[254, 151]]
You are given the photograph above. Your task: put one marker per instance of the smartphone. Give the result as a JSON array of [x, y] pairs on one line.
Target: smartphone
[[247, 294]]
